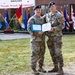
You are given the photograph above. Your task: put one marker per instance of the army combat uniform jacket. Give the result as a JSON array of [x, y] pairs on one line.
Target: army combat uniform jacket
[[57, 21]]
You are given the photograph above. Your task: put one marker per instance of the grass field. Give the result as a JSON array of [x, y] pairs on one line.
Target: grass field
[[15, 54]]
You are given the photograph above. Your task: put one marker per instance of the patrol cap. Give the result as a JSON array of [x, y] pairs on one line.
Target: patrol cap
[[50, 4], [37, 7]]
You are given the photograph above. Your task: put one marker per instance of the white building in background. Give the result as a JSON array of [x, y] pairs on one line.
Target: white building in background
[[16, 0]]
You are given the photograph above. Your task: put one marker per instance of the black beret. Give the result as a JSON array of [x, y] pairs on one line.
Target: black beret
[[37, 7], [50, 4]]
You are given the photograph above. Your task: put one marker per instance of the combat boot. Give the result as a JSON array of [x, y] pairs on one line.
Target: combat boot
[[41, 70], [55, 69], [35, 71], [60, 71]]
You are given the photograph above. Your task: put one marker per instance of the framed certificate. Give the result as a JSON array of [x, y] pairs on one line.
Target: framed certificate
[[46, 27], [36, 27], [41, 28]]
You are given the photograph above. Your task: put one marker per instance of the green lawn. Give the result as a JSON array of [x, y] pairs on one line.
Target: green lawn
[[15, 54]]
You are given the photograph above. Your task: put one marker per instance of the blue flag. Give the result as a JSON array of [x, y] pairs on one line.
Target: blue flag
[[6, 19], [25, 20], [33, 13], [28, 14], [0, 25]]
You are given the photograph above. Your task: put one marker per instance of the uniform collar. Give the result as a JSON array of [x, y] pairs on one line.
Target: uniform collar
[[53, 13], [37, 16]]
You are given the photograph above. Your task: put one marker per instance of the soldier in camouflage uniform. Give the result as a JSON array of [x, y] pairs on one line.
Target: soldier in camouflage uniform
[[37, 41], [54, 42]]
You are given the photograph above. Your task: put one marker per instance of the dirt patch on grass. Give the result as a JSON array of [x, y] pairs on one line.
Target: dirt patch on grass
[[68, 70]]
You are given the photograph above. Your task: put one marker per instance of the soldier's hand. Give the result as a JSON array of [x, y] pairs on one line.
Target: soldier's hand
[[40, 33], [52, 29]]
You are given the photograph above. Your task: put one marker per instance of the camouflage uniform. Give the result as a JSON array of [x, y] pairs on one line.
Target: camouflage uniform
[[37, 43], [54, 41]]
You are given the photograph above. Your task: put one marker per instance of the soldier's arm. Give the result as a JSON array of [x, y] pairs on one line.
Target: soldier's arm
[[44, 16], [30, 21], [61, 22]]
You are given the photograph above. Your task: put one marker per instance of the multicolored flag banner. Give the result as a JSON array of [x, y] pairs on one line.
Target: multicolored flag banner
[[67, 19], [6, 18], [19, 16], [73, 16]]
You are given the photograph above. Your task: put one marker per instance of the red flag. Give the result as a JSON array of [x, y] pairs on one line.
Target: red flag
[[72, 16], [19, 16]]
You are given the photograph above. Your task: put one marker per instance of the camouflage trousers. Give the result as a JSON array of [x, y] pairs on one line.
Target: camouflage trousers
[[55, 45], [38, 51]]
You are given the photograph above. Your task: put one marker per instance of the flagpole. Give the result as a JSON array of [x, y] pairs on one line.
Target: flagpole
[[11, 19], [2, 17]]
